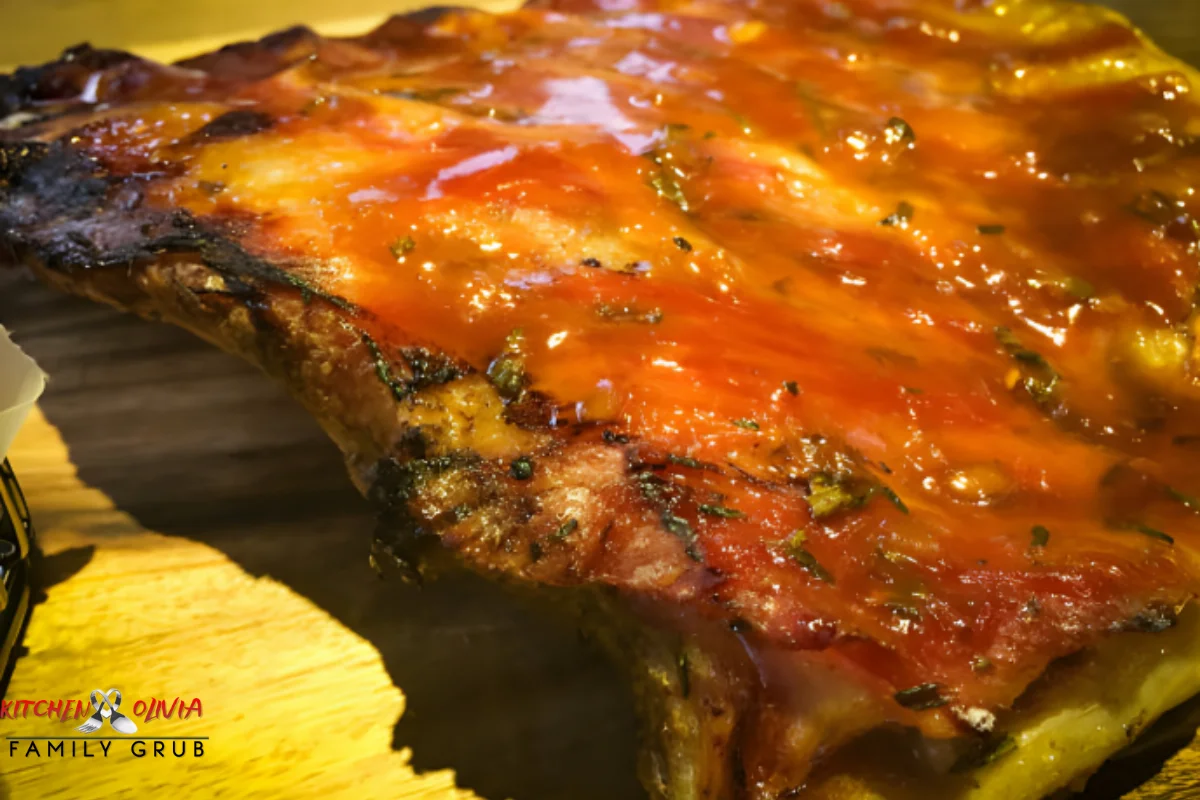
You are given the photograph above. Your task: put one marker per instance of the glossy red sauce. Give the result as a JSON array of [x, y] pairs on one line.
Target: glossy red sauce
[[721, 173]]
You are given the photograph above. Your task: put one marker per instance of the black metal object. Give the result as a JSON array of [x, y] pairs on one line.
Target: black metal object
[[17, 547]]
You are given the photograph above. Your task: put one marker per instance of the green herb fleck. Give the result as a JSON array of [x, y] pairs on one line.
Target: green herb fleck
[[921, 698], [900, 217], [748, 424], [1186, 499], [898, 132], [991, 230], [721, 511], [521, 468], [685, 677], [566, 529], [800, 554], [904, 611], [1153, 533], [827, 495], [912, 390], [433, 95], [988, 752], [683, 244], [1078, 288], [1039, 379], [1040, 536], [665, 179], [684, 461], [629, 313], [1033, 608], [507, 370], [401, 247], [792, 387], [887, 492], [383, 368], [681, 529], [981, 664]]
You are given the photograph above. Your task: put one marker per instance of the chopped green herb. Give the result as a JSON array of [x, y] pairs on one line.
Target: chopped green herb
[[665, 178], [904, 610], [629, 313], [800, 554], [887, 492], [594, 263], [792, 387], [748, 424], [521, 468], [900, 217], [721, 511], [507, 370], [820, 112], [682, 530], [1033, 608], [912, 390], [566, 529], [1187, 499], [402, 246], [1039, 379], [1154, 619], [426, 95], [668, 187], [610, 437], [1015, 349], [710, 135], [981, 664], [383, 368], [683, 244], [827, 497], [991, 230], [308, 291], [1040, 536], [1078, 288], [684, 461], [1153, 533], [1003, 747], [889, 357], [921, 698], [986, 753], [899, 132]]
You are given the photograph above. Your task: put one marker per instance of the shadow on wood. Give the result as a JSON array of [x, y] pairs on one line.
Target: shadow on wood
[[193, 443]]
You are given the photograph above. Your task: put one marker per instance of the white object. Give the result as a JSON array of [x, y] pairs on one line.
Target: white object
[[21, 384]]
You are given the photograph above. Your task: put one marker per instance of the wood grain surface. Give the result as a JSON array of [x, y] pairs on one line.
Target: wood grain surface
[[202, 539]]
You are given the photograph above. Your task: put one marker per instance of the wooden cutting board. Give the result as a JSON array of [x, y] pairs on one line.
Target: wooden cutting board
[[203, 540]]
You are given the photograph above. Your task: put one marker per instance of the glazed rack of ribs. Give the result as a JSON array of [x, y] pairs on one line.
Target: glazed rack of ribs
[[835, 361]]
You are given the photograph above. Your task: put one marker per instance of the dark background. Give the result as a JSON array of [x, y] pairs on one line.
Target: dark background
[[1174, 24]]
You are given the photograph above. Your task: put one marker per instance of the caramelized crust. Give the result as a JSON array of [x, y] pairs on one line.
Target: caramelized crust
[[846, 348]]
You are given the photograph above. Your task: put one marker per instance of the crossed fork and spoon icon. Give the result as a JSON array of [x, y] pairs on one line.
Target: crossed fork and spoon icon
[[106, 708]]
